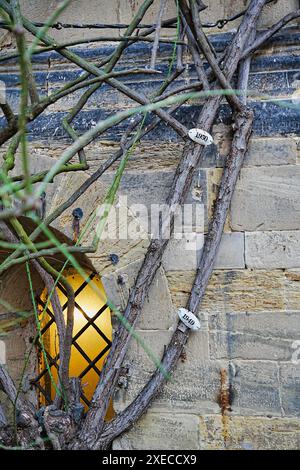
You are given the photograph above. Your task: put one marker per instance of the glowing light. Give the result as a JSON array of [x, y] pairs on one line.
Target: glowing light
[[92, 333]]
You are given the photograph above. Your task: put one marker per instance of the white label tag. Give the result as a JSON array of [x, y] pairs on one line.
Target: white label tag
[[201, 137], [189, 319]]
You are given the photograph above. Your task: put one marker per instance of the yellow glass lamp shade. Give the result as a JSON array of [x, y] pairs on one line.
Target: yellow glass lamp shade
[[92, 336]]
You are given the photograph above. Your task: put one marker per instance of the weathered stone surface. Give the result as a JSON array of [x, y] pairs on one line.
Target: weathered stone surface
[[16, 276], [146, 350], [158, 311], [247, 433], [255, 388], [292, 289], [152, 187], [271, 151], [267, 198], [150, 433], [260, 336], [193, 387], [181, 256], [271, 120], [231, 252], [271, 250], [2, 352], [290, 384], [232, 290], [213, 182], [262, 151], [89, 202], [183, 389]]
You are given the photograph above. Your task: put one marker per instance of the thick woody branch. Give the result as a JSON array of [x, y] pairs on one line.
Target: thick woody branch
[[95, 418], [3, 419], [134, 411], [25, 413], [7, 111]]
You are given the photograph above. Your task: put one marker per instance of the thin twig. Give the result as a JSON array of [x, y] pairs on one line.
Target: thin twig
[[157, 33], [263, 37], [206, 49]]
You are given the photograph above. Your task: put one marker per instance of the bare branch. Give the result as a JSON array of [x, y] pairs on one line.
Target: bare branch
[[206, 49], [185, 15], [173, 351], [7, 111], [63, 426], [25, 411], [157, 33], [192, 153], [266, 35], [179, 128], [3, 419]]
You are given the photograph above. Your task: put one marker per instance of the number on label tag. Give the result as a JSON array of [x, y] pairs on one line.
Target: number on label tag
[[189, 319], [200, 137]]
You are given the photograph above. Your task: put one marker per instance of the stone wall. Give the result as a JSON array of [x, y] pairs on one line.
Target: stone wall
[[250, 316]]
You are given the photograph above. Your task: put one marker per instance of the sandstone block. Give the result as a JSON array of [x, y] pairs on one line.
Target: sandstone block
[[255, 336], [183, 256], [158, 311], [249, 433], [291, 289], [267, 198], [271, 250], [255, 388], [271, 151], [232, 290], [162, 431], [290, 383]]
